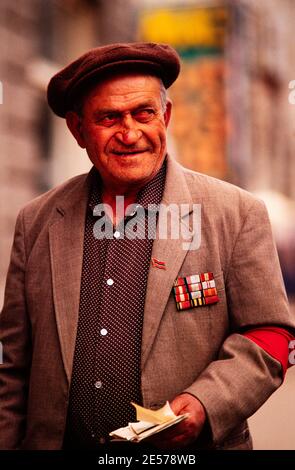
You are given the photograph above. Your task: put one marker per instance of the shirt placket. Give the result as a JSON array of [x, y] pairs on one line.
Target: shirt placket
[[117, 364]]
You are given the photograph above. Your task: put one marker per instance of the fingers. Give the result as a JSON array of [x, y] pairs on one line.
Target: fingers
[[174, 441], [179, 436], [188, 430]]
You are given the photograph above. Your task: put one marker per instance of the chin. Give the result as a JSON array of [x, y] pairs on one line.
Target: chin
[[133, 177], [134, 174]]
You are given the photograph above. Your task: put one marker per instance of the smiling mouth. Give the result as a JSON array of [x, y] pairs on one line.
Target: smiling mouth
[[128, 153]]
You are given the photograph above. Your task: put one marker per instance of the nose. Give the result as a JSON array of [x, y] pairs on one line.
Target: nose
[[129, 134]]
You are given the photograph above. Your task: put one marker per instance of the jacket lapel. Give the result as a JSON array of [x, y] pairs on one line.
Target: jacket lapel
[[171, 251], [66, 236]]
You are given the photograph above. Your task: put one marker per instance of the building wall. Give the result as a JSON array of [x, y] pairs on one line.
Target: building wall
[[262, 55], [20, 162]]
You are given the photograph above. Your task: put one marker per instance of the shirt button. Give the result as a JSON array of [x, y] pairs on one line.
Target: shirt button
[[134, 211], [110, 282], [103, 332], [116, 234], [98, 384], [102, 440]]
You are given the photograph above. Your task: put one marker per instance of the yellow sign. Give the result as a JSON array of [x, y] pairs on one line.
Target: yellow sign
[[189, 27]]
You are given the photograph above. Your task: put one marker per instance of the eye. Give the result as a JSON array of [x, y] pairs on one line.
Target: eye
[[144, 115], [108, 120]]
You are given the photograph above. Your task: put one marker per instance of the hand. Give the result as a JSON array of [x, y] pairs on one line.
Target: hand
[[187, 431]]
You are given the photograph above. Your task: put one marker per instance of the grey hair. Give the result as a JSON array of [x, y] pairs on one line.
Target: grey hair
[[163, 96]]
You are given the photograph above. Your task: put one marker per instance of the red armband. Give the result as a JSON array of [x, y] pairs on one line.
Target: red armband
[[275, 341]]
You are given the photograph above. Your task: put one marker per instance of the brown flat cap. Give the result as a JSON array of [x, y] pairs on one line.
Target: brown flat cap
[[156, 59]]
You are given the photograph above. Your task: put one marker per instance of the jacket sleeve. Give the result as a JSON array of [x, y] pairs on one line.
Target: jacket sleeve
[[16, 345], [244, 375]]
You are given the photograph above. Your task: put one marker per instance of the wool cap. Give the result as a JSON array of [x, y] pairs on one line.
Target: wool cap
[[150, 58]]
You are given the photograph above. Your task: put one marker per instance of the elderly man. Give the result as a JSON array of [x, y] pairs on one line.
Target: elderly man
[[92, 322]]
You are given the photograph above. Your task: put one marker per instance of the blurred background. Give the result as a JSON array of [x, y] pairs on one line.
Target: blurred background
[[234, 113]]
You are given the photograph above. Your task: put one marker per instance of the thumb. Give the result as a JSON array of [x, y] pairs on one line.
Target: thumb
[[178, 405]]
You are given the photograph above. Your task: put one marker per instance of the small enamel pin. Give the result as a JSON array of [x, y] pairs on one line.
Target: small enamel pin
[[195, 291], [158, 264]]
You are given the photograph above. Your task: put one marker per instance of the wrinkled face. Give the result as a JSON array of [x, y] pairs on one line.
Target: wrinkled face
[[123, 128]]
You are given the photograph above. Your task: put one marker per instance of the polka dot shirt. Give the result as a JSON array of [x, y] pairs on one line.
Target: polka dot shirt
[[106, 369]]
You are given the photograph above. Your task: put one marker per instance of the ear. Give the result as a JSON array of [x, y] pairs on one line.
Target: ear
[[74, 123], [167, 113]]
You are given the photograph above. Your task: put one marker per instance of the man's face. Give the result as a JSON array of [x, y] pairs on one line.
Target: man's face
[[123, 128]]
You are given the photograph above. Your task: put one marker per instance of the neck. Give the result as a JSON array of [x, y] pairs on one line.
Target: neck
[[109, 197]]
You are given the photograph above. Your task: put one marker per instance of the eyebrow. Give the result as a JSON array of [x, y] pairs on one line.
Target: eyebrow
[[105, 111]]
